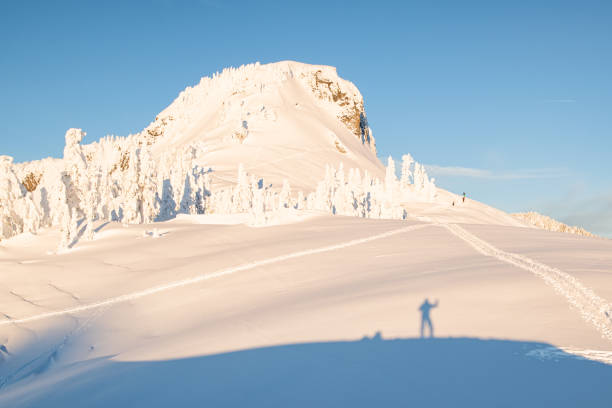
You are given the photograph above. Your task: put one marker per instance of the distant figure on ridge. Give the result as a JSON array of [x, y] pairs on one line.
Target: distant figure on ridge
[[464, 196], [425, 318]]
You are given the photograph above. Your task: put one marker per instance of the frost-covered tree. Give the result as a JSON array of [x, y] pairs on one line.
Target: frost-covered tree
[[390, 176], [203, 192], [11, 194], [419, 177], [105, 205], [70, 227], [258, 210], [32, 217], [74, 225], [242, 197], [90, 214], [120, 179], [92, 199], [148, 184], [300, 203], [406, 177], [66, 237], [75, 164], [284, 199], [189, 198]]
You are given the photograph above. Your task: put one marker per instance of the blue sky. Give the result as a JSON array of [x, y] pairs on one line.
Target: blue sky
[[508, 101]]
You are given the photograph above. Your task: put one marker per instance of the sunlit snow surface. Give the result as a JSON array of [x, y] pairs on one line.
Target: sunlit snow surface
[[209, 311], [265, 299]]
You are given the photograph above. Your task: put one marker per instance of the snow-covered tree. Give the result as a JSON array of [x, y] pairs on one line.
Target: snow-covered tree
[[119, 179], [132, 193], [258, 211], [406, 177], [90, 214], [189, 198], [66, 237], [75, 164], [11, 194], [242, 195], [284, 199], [32, 217], [300, 203], [148, 183], [390, 176]]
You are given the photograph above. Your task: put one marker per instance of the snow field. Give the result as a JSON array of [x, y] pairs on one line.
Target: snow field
[[593, 308], [278, 295], [201, 278]]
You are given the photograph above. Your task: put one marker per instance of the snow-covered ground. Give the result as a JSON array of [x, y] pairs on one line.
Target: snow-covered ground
[[210, 311], [249, 292]]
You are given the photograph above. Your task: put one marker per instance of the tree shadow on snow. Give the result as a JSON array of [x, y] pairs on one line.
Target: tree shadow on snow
[[372, 372]]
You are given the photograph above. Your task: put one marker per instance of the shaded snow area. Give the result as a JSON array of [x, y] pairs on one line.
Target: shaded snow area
[[314, 310]]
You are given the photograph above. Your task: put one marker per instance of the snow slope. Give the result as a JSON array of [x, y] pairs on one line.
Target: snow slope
[[231, 314], [285, 120], [247, 291]]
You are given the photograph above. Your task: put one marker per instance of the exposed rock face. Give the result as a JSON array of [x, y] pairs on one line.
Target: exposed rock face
[[339, 146], [350, 101], [31, 180], [157, 128]]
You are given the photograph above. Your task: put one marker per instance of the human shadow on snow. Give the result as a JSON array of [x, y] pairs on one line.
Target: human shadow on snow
[[372, 372]]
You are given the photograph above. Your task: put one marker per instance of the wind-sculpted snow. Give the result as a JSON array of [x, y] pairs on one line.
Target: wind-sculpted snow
[[592, 308], [207, 276]]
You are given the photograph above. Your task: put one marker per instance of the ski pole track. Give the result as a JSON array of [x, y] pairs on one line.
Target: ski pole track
[[203, 277], [593, 309]]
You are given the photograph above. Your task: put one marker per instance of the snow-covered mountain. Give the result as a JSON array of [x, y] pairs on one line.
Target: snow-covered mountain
[[254, 139], [205, 308], [285, 120], [282, 120]]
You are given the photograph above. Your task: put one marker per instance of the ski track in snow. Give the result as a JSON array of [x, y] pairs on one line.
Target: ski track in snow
[[592, 307], [203, 277]]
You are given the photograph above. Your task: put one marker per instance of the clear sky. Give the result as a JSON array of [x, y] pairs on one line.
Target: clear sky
[[510, 102]]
